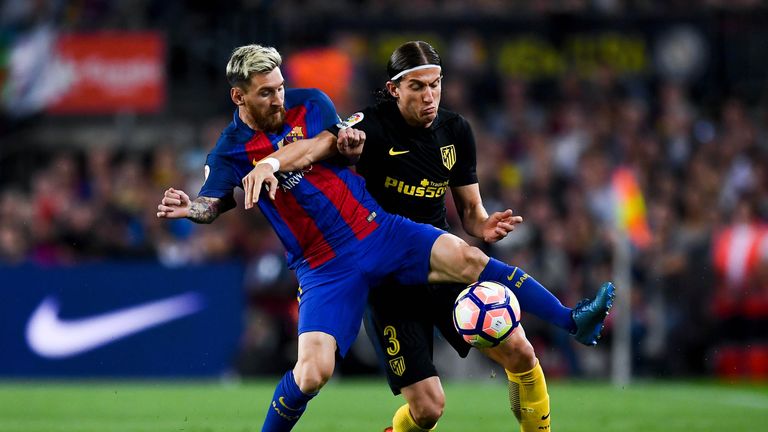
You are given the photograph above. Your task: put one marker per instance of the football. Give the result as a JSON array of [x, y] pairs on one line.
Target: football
[[486, 313]]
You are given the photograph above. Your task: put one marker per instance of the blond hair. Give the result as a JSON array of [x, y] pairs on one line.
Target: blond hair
[[250, 59]]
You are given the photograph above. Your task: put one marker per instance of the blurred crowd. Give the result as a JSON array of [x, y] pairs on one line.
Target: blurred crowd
[[143, 13], [704, 174], [699, 289]]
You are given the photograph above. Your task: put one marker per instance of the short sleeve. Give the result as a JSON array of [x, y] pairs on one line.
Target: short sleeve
[[321, 114], [356, 121], [465, 171], [221, 179]]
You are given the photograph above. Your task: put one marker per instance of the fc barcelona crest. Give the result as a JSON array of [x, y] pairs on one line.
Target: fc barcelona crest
[[449, 155], [294, 135], [397, 365]]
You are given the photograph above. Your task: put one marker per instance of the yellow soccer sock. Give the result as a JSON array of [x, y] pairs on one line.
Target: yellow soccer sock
[[529, 399], [403, 421]]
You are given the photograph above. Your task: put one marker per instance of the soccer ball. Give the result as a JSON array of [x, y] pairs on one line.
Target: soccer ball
[[486, 313]]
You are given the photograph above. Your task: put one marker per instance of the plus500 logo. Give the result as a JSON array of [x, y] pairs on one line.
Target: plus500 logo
[[426, 189]]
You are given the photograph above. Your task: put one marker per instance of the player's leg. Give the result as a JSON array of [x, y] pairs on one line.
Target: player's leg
[[528, 396], [331, 304], [313, 369], [447, 258], [316, 360], [425, 401], [402, 333], [453, 260], [515, 355]]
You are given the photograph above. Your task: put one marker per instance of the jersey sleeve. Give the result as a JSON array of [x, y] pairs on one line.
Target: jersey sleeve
[[321, 114], [367, 122], [465, 171], [221, 179], [356, 120]]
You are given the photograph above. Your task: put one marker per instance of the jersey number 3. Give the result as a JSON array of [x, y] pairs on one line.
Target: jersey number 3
[[391, 334]]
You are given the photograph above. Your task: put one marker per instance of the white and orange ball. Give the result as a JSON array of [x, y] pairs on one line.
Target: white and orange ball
[[486, 313]]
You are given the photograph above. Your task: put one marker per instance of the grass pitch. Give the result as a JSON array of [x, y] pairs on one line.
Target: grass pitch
[[347, 405]]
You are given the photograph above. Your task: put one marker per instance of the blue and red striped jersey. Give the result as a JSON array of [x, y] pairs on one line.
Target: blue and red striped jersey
[[317, 210]]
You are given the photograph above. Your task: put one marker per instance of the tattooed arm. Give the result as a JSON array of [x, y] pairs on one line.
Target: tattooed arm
[[176, 204], [204, 210]]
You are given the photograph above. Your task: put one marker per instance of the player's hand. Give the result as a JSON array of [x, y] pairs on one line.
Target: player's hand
[[350, 143], [499, 224], [175, 204], [260, 175]]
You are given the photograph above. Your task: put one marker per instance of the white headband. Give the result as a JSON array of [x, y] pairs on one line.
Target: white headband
[[426, 66]]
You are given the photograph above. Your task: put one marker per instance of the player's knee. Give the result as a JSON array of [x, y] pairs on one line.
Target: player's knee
[[515, 354], [312, 376], [520, 355], [526, 356], [427, 411], [474, 262]]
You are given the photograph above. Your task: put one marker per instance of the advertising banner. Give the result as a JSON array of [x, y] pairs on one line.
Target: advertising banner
[[106, 73], [119, 320]]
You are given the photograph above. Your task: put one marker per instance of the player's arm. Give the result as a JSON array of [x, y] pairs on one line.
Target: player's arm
[[475, 219], [349, 143], [350, 140], [466, 193], [303, 153], [298, 155], [176, 204]]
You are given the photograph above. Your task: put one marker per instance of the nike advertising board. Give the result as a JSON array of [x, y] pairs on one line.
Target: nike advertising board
[[118, 320]]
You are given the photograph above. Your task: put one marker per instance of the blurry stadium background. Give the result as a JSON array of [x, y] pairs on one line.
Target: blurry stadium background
[[630, 134]]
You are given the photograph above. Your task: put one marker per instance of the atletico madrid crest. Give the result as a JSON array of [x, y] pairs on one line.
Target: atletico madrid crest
[[449, 155], [397, 365]]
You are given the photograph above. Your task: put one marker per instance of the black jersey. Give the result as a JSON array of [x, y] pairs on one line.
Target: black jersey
[[409, 169]]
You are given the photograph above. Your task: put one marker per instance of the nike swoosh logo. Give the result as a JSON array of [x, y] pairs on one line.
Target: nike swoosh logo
[[393, 152], [51, 337], [546, 416], [509, 278], [281, 399]]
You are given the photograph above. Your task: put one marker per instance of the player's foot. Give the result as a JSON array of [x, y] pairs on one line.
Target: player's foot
[[388, 429], [589, 315]]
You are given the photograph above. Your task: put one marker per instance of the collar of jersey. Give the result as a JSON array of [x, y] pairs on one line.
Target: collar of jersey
[[240, 123]]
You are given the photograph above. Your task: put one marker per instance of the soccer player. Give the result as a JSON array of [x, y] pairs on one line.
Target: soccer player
[[414, 152], [339, 240]]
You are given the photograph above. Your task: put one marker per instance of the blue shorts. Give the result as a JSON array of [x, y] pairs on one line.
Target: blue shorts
[[332, 297]]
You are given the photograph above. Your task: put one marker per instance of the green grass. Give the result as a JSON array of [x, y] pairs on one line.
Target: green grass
[[347, 405]]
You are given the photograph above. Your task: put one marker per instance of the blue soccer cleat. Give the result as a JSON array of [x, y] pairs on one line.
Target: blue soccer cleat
[[589, 315]]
